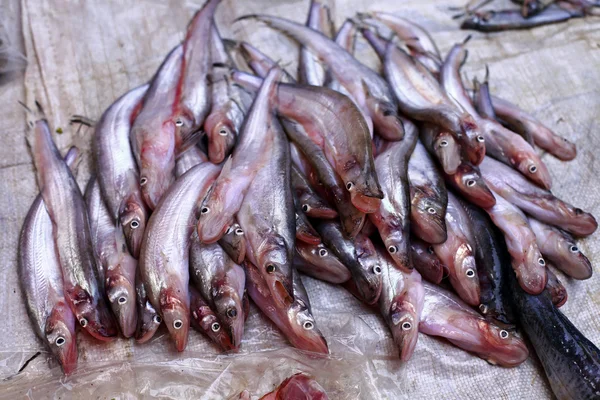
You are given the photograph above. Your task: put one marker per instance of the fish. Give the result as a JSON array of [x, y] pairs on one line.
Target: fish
[[118, 174], [445, 315], [392, 219], [267, 216], [560, 248], [492, 258], [320, 262], [428, 197], [40, 277], [259, 62], [204, 320], [443, 145], [295, 320], [358, 256], [234, 243], [152, 134], [221, 283], [458, 253], [468, 182], [227, 110], [425, 261], [400, 304], [527, 261], [555, 288], [71, 230], [249, 156], [496, 21], [164, 256], [148, 319], [310, 202], [539, 203], [310, 70], [298, 386], [118, 267], [531, 7], [369, 89], [418, 41], [528, 126], [571, 362], [304, 229], [336, 125]]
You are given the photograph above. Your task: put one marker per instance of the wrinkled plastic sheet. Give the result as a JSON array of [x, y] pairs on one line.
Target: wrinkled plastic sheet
[[83, 55]]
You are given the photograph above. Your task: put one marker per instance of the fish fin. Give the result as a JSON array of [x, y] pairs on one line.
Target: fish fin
[[189, 140]]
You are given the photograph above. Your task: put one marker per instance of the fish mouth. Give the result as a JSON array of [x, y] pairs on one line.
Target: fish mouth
[[101, 325], [133, 221], [312, 341], [178, 324], [475, 189], [322, 212], [280, 291], [465, 280], [365, 203], [67, 357], [146, 331], [405, 333], [369, 289]]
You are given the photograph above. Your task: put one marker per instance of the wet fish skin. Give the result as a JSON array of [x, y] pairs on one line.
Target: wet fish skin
[[492, 258], [470, 184], [204, 320], [117, 266], [164, 258], [555, 288], [527, 261], [40, 278], [400, 304], [310, 70], [234, 243], [428, 197], [148, 318], [152, 135], [560, 248], [527, 125], [359, 257], [320, 262], [259, 62], [311, 203], [443, 145], [458, 253], [298, 386], [538, 203], [294, 319], [496, 21], [66, 207], [221, 283], [425, 261], [257, 136], [571, 362], [118, 175], [304, 229], [445, 315], [189, 159]]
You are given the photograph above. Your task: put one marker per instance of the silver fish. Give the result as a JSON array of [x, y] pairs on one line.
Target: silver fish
[[310, 70]]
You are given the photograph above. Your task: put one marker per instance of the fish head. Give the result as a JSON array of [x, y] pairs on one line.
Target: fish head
[[176, 315], [121, 295], [369, 280], [362, 183], [213, 222], [60, 335], [533, 169], [234, 243], [405, 326], [470, 184], [385, 119], [147, 323], [475, 137], [447, 151], [156, 167], [465, 279], [133, 219], [93, 316], [575, 263], [204, 319], [222, 133], [502, 346], [428, 218], [426, 262], [397, 246], [276, 269], [304, 332], [532, 275], [229, 308]]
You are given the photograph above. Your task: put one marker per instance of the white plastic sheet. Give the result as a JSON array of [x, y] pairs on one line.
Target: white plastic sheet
[[83, 54]]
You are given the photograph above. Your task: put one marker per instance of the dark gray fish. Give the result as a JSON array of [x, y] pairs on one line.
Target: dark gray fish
[[495, 21], [320, 262], [234, 243], [310, 69], [148, 318], [425, 261], [310, 202], [555, 288]]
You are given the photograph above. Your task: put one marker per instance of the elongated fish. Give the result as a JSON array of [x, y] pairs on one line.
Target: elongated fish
[[117, 266], [311, 203], [40, 277], [68, 212], [165, 250], [305, 232], [468, 182], [320, 262], [118, 175], [443, 145], [502, 20], [310, 70], [148, 318]]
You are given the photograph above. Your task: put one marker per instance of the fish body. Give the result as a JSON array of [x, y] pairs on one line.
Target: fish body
[[310, 70], [425, 261]]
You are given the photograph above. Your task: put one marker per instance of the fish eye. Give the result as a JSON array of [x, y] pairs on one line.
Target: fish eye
[[387, 112], [204, 210], [305, 207], [392, 249], [541, 261], [480, 139], [533, 169], [503, 334], [471, 182], [143, 181], [574, 249], [232, 313], [179, 122], [431, 210], [60, 341], [157, 319], [83, 322], [470, 273], [349, 185], [377, 270], [216, 327], [122, 300], [177, 324], [430, 249], [223, 132], [323, 252], [308, 325], [406, 326], [483, 308], [229, 230], [239, 232], [270, 268], [134, 224], [443, 143]]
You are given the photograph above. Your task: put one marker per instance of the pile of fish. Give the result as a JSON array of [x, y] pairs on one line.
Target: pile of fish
[[529, 14], [424, 198]]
